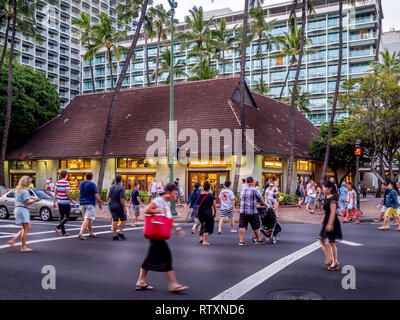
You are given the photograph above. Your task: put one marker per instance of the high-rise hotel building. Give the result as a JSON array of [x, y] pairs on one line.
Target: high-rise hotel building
[[318, 72], [58, 55]]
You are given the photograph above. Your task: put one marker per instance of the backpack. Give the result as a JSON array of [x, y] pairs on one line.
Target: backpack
[[298, 192]]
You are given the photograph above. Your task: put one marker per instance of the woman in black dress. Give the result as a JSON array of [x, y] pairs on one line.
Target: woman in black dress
[[331, 229], [159, 256], [205, 213]]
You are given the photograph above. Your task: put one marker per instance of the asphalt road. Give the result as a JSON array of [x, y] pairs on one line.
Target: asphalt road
[[104, 269]]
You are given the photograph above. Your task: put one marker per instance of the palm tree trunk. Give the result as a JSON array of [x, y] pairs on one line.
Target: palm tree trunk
[[293, 101], [3, 54], [111, 68], [242, 87], [201, 61], [107, 135], [286, 80], [223, 63], [261, 66], [158, 53], [335, 97], [9, 98], [92, 75], [146, 56], [379, 30]]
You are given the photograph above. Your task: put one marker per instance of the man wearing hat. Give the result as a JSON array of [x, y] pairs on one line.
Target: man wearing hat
[[249, 198]]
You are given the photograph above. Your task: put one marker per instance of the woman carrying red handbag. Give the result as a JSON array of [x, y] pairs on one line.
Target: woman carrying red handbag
[[159, 257]]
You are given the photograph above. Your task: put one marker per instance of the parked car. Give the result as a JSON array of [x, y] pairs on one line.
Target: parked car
[[43, 208]]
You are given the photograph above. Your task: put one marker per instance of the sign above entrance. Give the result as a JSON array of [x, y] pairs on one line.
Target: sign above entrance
[[208, 164]]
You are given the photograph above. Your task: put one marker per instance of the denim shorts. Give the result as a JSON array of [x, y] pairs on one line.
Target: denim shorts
[[21, 215]]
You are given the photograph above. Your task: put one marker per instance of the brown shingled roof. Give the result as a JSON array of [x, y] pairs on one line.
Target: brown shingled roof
[[78, 132]]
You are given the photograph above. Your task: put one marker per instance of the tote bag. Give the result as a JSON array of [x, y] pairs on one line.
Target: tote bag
[[196, 207], [157, 227]]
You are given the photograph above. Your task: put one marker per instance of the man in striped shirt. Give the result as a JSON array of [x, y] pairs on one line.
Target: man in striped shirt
[[63, 198]]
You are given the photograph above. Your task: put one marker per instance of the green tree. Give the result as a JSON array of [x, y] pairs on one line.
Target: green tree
[[103, 35], [341, 156], [128, 12], [107, 135], [290, 44], [160, 18], [374, 104], [390, 63], [35, 102], [260, 29], [261, 87], [302, 101], [224, 40], [199, 30], [165, 67], [84, 30]]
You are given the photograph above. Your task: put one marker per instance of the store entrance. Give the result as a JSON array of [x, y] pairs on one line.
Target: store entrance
[[128, 180], [274, 177], [216, 179], [15, 177], [75, 179]]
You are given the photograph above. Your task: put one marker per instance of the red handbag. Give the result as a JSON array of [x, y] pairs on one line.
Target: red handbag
[[157, 227]]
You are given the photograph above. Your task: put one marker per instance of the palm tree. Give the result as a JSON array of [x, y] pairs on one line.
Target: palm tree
[[165, 67], [290, 47], [103, 35], [198, 32], [21, 18], [25, 20], [306, 4], [160, 19], [302, 100], [128, 12], [143, 7], [261, 87], [337, 87], [207, 72], [261, 29], [84, 30], [224, 40], [390, 62]]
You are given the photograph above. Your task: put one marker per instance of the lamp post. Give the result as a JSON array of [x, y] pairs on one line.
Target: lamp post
[[358, 152], [173, 4]]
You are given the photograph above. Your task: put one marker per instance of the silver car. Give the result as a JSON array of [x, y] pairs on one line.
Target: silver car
[[43, 208]]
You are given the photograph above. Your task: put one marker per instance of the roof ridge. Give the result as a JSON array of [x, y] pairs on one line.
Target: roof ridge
[[159, 86]]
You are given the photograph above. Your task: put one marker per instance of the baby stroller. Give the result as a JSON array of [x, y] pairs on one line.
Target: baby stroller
[[270, 227]]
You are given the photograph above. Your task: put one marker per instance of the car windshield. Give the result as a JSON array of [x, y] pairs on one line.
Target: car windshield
[[42, 195]]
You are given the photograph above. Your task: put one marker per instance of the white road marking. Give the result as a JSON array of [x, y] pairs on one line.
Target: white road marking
[[5, 233], [259, 277], [354, 244], [10, 226], [63, 238], [52, 231]]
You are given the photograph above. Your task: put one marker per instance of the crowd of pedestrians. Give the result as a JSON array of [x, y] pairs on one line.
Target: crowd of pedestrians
[[202, 205]]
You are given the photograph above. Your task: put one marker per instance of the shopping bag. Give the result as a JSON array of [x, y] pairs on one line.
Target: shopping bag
[[157, 227]]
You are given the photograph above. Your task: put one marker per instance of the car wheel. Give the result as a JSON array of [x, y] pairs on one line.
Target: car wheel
[[45, 214], [4, 212]]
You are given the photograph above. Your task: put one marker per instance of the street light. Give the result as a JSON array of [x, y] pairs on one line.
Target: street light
[[358, 152], [171, 152]]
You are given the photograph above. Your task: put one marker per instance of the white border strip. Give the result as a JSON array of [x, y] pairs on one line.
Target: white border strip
[[63, 238]]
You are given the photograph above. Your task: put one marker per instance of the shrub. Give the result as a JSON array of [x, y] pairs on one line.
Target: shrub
[[75, 195]]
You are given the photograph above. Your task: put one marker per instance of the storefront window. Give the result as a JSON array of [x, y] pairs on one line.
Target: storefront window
[[126, 163], [274, 163], [14, 179], [75, 164], [304, 165], [23, 165]]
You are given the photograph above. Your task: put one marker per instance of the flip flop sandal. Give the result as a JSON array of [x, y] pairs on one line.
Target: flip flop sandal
[[179, 289], [146, 287]]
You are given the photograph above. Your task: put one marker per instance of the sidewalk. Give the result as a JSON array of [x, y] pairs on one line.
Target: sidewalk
[[287, 214]]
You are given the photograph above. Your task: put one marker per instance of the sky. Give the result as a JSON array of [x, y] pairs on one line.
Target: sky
[[391, 8]]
